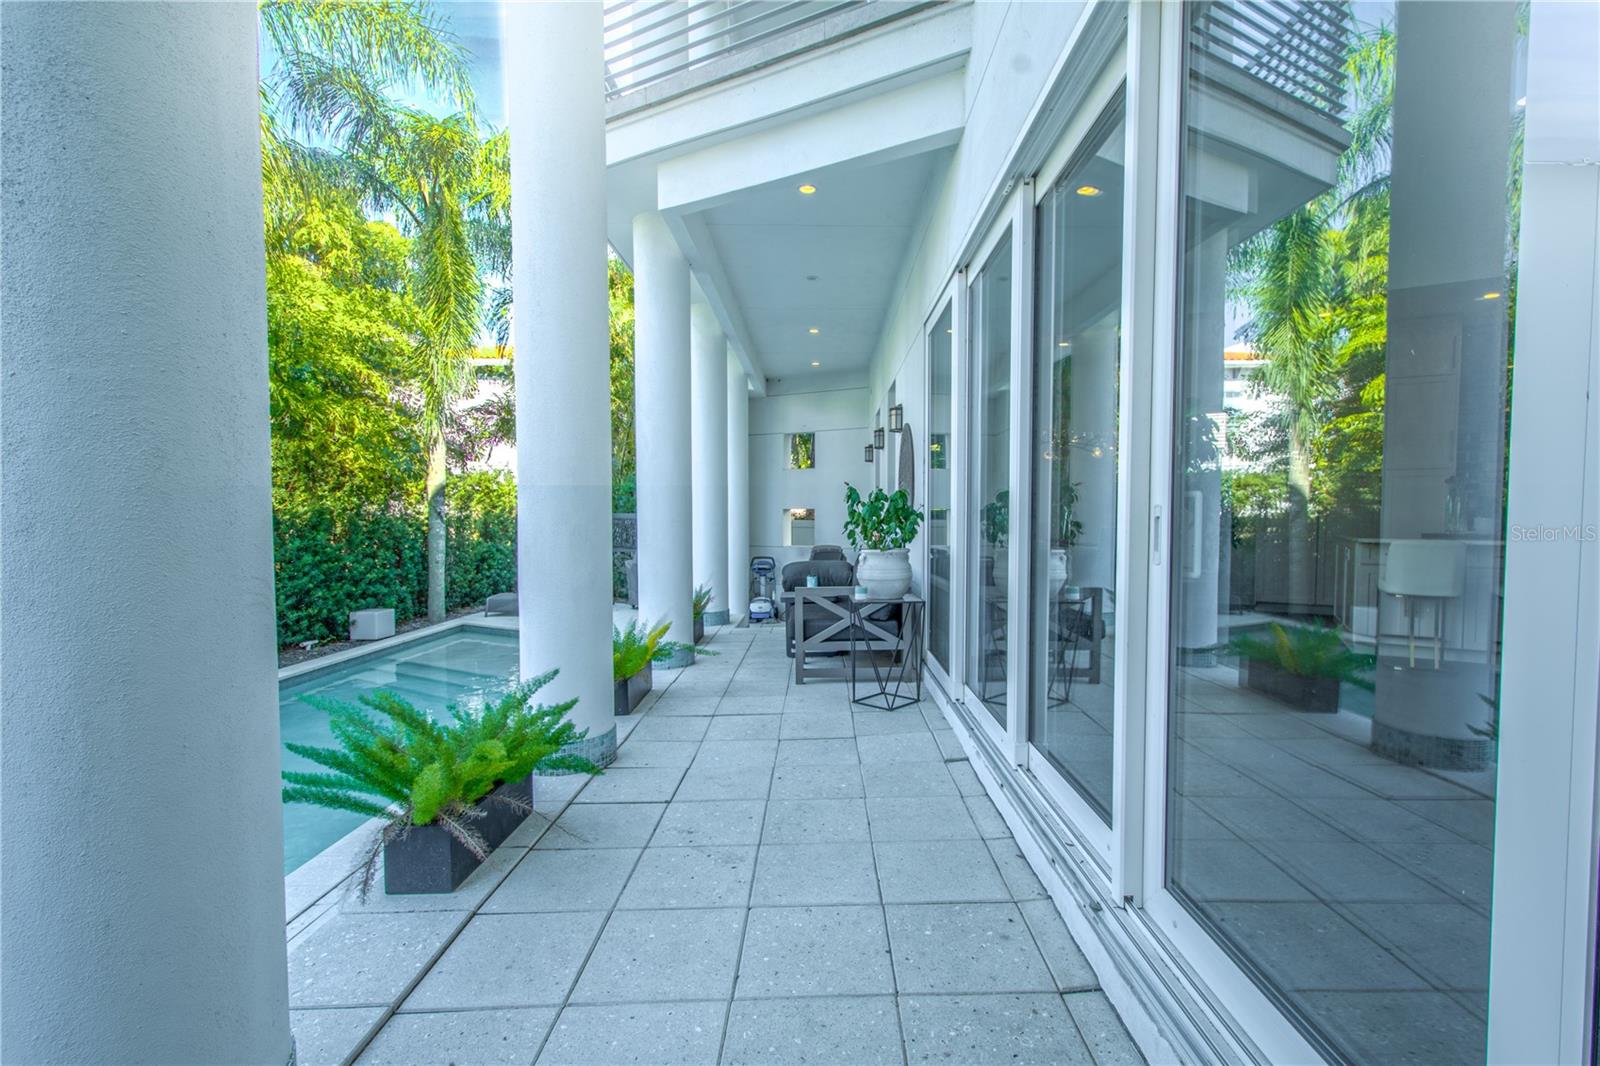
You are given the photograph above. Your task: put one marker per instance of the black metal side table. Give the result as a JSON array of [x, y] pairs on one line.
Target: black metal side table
[[893, 682]]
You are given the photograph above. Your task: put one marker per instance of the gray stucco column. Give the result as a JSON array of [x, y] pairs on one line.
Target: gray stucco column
[[661, 428], [555, 97], [738, 489], [709, 434], [142, 883]]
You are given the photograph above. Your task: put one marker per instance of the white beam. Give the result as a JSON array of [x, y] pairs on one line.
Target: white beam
[[918, 118]]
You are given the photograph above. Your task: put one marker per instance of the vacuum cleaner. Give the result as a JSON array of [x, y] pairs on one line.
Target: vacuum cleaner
[[763, 588]]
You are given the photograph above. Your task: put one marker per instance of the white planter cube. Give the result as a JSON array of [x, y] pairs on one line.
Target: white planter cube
[[372, 625]]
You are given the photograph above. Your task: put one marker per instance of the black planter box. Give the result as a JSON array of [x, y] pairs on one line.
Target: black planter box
[[428, 859], [1319, 694], [631, 691], [699, 629]]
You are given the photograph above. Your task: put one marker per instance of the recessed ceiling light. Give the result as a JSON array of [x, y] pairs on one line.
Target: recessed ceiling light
[[1088, 190], [1063, 344], [815, 363], [1490, 296], [813, 331], [807, 189]]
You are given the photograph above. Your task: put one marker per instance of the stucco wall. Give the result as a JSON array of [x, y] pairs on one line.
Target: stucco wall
[[838, 417]]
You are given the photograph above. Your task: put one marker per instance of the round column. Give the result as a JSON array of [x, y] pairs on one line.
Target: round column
[[708, 354], [738, 489], [143, 846], [661, 430], [561, 359]]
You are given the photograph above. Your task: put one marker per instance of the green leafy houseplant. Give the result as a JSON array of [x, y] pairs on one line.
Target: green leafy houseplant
[[402, 766], [702, 600], [1308, 651], [995, 519], [634, 647], [882, 521]]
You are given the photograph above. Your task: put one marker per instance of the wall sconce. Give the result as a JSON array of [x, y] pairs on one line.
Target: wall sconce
[[878, 438], [872, 453], [897, 418]]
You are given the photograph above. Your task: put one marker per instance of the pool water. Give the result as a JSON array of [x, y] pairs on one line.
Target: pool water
[[466, 666]]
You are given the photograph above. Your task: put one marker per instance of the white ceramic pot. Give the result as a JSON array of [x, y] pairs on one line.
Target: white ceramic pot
[[1060, 570], [886, 574]]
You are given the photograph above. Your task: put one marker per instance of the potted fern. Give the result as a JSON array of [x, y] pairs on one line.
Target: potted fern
[[1302, 666], [449, 793], [881, 528], [633, 649], [701, 601]]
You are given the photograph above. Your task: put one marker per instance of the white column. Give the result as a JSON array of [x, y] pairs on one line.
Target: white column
[[661, 429], [143, 843], [708, 355], [554, 93], [738, 489]]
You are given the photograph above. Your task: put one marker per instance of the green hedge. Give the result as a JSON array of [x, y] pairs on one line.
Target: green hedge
[[329, 564]]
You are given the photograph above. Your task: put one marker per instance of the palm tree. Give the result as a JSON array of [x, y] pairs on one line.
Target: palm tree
[[1314, 283], [445, 186]]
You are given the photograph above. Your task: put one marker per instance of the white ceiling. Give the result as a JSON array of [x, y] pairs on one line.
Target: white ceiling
[[854, 234]]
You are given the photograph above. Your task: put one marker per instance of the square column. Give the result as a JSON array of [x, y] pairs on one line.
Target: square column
[[555, 95], [661, 430], [708, 354]]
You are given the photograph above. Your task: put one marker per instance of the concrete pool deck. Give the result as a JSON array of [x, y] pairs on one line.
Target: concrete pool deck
[[765, 875]]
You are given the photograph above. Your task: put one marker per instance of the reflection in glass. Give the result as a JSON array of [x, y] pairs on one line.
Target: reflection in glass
[[941, 342], [1343, 402], [990, 497], [1076, 372]]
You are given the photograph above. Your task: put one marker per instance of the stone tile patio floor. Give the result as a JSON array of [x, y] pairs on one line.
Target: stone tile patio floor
[[764, 876]]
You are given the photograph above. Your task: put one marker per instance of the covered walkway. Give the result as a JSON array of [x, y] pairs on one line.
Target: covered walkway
[[763, 876]]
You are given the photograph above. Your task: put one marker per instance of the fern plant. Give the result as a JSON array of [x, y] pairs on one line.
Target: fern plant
[[702, 600], [402, 766], [1308, 651], [635, 647]]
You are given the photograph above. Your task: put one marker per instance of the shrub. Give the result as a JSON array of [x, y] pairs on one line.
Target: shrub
[[411, 770], [1308, 651], [633, 648], [330, 562], [702, 600], [481, 537], [327, 565]]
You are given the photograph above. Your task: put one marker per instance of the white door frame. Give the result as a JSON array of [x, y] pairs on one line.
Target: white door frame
[[1542, 927], [1087, 823], [950, 297], [1004, 225], [1157, 69]]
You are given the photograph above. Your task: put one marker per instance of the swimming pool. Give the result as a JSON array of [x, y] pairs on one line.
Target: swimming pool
[[464, 666]]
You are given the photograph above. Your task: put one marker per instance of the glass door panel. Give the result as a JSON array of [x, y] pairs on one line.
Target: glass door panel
[[1343, 396], [941, 385], [1077, 367], [989, 494]]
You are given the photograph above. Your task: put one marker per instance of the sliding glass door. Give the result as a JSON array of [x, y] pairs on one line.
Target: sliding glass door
[[1076, 373], [989, 478], [1346, 283]]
